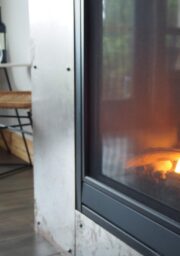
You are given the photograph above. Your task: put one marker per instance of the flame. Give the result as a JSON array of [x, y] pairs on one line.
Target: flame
[[162, 161], [177, 169], [163, 165]]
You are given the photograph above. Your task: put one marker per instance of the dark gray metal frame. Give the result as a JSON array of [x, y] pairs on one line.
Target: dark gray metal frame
[[143, 228], [18, 128]]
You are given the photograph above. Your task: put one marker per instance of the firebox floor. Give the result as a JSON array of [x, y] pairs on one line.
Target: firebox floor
[[17, 235], [150, 184]]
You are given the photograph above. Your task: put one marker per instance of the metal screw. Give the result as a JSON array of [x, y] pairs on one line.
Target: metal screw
[[35, 67], [68, 69], [39, 223], [69, 251], [81, 225]]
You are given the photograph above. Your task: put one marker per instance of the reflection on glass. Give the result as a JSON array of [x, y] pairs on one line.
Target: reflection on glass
[[138, 101], [117, 49], [173, 13], [173, 50]]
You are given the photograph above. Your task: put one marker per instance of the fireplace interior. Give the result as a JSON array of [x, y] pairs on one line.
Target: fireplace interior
[[135, 115], [128, 121]]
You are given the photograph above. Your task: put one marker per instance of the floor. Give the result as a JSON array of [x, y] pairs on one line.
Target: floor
[[16, 217]]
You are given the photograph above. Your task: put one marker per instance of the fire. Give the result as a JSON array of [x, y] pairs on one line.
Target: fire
[[163, 165], [163, 161], [177, 169]]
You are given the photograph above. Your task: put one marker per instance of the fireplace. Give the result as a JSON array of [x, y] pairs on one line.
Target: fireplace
[[128, 121]]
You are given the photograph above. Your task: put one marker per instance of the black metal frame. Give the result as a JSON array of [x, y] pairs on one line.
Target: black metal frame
[[146, 230], [17, 128]]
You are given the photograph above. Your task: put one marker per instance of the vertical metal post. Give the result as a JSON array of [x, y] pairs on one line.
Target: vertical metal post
[[30, 118]]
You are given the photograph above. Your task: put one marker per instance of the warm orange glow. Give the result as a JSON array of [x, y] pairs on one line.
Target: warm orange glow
[[154, 157], [163, 165], [177, 169], [159, 161]]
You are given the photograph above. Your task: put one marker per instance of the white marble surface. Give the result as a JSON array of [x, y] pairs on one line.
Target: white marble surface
[[51, 27], [93, 240]]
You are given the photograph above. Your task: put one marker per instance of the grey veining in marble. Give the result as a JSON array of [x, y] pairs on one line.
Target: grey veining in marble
[[93, 240]]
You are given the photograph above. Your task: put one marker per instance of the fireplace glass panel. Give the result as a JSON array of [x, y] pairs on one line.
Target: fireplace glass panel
[[173, 13], [134, 99]]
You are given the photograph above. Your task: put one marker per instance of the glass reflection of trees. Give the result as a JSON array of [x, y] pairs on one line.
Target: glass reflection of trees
[[117, 48]]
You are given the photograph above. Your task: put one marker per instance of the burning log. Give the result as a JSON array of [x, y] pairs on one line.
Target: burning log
[[161, 160], [153, 156]]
